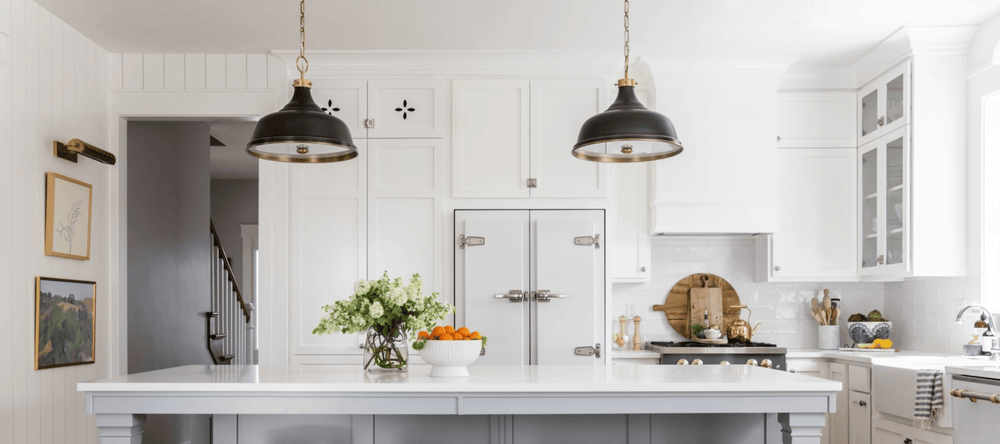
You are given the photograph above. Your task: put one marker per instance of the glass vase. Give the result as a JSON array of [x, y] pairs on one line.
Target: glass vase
[[386, 349]]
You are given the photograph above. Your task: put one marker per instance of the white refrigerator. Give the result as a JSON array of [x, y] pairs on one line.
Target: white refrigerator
[[533, 282]]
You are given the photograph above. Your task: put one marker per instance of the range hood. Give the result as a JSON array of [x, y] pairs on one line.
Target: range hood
[[726, 180]]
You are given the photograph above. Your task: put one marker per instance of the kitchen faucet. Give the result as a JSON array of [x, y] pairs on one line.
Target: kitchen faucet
[[995, 350]]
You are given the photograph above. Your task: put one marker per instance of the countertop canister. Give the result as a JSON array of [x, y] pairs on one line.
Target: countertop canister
[[829, 337]]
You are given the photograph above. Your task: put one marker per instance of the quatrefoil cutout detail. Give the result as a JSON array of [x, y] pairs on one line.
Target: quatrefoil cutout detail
[[405, 109], [329, 108]]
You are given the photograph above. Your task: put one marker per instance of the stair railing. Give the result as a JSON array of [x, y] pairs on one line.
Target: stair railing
[[229, 320]]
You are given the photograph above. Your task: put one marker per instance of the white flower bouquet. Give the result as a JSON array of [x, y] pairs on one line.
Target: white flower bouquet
[[388, 309]]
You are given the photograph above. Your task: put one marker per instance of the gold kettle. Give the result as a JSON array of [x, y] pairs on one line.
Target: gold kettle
[[739, 330]]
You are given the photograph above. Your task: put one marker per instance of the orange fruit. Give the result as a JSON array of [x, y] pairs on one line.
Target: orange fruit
[[464, 331], [423, 335], [445, 337], [438, 331], [449, 329], [475, 335]]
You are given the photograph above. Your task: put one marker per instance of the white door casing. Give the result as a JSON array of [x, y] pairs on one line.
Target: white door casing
[[497, 266], [565, 268]]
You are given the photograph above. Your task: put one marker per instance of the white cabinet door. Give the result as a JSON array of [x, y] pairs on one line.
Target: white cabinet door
[[574, 274], [558, 109], [883, 436], [860, 418], [496, 267], [405, 210], [837, 423], [490, 138], [407, 108], [817, 119], [629, 240], [545, 429], [884, 104], [345, 99], [818, 195], [884, 190], [329, 247]]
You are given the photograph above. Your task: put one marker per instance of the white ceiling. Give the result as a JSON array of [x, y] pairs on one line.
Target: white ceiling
[[819, 32], [231, 161]]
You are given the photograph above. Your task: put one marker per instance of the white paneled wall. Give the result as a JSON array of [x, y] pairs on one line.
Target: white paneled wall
[[52, 87], [193, 72], [782, 309]]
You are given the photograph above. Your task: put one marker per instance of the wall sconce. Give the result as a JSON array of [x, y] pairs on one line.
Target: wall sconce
[[71, 149]]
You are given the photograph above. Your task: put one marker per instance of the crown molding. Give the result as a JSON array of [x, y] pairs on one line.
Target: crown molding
[[911, 41], [508, 63]]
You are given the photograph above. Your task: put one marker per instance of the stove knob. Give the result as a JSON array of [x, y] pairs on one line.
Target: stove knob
[[724, 363], [697, 362], [766, 363], [682, 362], [751, 362]]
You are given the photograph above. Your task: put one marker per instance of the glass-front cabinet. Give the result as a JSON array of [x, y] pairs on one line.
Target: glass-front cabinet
[[884, 204], [884, 104]]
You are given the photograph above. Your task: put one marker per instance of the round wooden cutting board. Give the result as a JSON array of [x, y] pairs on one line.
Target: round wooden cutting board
[[677, 306]]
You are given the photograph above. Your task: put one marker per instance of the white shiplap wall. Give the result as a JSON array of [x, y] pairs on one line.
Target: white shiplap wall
[[52, 87], [195, 72]]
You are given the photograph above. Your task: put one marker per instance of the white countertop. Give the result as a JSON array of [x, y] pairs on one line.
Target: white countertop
[[988, 370], [483, 379], [881, 358], [634, 354]]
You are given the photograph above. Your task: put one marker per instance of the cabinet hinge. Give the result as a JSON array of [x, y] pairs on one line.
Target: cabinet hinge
[[594, 351], [472, 241], [587, 241], [369, 123]]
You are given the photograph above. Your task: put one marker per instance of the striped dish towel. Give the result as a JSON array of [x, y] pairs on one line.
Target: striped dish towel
[[930, 397]]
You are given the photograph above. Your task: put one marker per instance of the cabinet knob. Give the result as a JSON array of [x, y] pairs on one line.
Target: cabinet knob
[[643, 269], [862, 403], [881, 121], [880, 259], [777, 268], [779, 138]]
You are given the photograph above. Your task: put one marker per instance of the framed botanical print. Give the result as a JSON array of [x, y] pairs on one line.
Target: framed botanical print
[[65, 322], [67, 217]]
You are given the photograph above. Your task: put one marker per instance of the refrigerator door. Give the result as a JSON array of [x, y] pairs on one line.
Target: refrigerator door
[[489, 270], [567, 303]]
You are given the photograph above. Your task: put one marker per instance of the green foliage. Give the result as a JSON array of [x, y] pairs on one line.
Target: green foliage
[[697, 328], [384, 304]]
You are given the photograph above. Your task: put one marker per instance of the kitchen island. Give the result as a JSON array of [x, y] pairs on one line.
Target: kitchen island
[[501, 404]]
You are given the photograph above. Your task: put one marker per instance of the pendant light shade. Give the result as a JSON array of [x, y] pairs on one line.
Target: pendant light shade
[[627, 132], [302, 133]]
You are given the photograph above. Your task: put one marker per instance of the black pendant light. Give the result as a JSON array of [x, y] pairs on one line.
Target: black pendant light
[[627, 131], [301, 132]]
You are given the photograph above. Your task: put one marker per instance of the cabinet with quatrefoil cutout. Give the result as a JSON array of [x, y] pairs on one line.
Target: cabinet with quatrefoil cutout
[[390, 108]]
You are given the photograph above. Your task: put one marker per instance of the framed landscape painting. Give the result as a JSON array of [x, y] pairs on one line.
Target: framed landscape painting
[[65, 322], [67, 217]]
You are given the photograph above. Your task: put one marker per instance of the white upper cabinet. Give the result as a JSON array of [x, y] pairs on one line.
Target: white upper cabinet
[[884, 104], [390, 108], [884, 179], [630, 242], [490, 139], [558, 110], [825, 119], [815, 241], [513, 138], [407, 108], [345, 99]]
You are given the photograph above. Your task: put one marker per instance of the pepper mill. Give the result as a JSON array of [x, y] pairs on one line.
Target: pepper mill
[[636, 341], [621, 338]]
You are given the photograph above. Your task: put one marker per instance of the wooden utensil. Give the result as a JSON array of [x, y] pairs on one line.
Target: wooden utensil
[[704, 300], [836, 315]]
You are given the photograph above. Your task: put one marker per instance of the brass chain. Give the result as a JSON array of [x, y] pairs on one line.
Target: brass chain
[[300, 62], [626, 39]]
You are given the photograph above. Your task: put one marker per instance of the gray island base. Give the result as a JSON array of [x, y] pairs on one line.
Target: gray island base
[[495, 404]]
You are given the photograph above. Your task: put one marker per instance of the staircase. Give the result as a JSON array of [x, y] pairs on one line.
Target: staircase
[[229, 325]]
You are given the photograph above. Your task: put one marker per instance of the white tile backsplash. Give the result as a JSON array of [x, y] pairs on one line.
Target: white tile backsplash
[[924, 312], [782, 309]]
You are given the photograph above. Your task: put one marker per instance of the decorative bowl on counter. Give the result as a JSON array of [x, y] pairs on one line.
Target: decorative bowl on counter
[[867, 332], [450, 358]]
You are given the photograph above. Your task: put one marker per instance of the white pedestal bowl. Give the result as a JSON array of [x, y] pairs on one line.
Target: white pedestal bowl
[[450, 358]]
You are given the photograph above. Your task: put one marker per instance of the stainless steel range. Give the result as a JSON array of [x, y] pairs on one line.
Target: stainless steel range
[[698, 353]]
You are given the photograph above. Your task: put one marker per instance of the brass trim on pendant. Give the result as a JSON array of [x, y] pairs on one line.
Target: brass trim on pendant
[[614, 158], [347, 155]]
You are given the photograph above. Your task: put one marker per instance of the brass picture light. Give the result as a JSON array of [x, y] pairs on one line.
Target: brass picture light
[[71, 149]]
